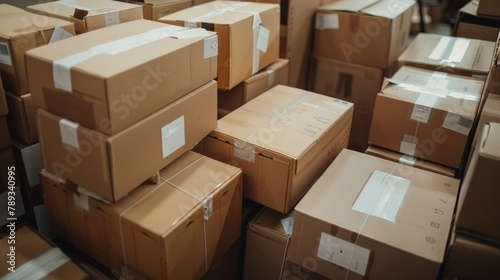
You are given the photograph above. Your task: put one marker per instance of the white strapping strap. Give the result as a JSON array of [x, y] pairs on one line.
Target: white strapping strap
[[40, 266]]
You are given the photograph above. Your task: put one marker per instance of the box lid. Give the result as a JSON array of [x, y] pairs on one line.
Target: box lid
[[433, 89], [348, 5], [11, 18], [400, 210], [381, 8], [81, 8], [490, 142], [283, 120]]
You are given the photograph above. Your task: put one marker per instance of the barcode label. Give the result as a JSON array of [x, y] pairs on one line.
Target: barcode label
[[5, 54], [467, 123], [458, 123]]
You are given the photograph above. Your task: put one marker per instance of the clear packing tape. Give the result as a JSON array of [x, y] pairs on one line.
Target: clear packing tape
[[449, 51], [40, 266]]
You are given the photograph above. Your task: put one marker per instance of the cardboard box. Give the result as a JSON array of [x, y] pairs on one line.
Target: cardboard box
[[493, 81], [478, 204], [89, 15], [283, 139], [133, 69], [110, 167], [464, 255], [355, 83], [367, 32], [199, 2], [3, 103], [158, 231], [21, 118], [389, 221], [294, 271], [489, 113], [360, 130], [275, 74], [247, 42], [459, 56], [426, 114], [21, 31], [155, 9], [469, 24], [488, 8], [409, 160], [37, 258], [266, 244]]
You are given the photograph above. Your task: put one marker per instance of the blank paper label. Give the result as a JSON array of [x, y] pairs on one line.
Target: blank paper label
[[327, 21], [211, 47], [408, 145], [173, 136], [343, 253], [69, 133], [59, 34], [5, 54], [263, 38]]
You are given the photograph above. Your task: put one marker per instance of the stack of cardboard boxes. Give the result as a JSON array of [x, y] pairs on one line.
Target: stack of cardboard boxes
[[478, 20]]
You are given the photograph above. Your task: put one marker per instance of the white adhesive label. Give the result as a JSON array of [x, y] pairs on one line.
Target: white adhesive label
[[191, 33], [69, 133], [243, 151], [287, 225], [112, 18], [423, 107], [211, 47], [5, 54], [263, 38], [382, 196], [327, 21], [408, 145], [343, 253], [408, 160], [82, 201], [458, 123], [270, 78], [190, 24], [59, 34], [173, 136]]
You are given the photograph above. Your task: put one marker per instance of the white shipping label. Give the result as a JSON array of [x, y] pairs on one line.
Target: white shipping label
[[211, 47], [263, 38], [69, 133], [173, 136], [343, 253], [458, 123], [59, 34], [243, 151], [5, 54], [382, 196], [81, 201], [327, 21], [287, 225], [112, 18], [408, 145]]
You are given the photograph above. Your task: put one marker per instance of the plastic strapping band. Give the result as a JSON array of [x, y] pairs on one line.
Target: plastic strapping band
[[284, 256], [40, 266]]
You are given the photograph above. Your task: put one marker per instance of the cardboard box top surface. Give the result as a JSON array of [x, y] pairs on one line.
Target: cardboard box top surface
[[221, 12], [490, 142], [385, 201], [439, 90], [93, 7], [450, 52], [279, 120], [15, 22], [381, 8], [109, 51], [161, 2]]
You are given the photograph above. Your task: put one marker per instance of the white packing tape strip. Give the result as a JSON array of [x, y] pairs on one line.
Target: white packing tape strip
[[62, 67], [81, 201], [450, 50], [69, 133], [409, 145], [40, 266], [407, 160]]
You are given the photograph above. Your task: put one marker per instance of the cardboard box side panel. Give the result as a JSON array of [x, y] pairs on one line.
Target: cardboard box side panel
[[21, 118], [476, 31]]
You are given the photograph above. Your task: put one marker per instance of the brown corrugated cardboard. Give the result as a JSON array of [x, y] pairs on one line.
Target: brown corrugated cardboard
[[360, 130], [478, 202], [469, 24], [110, 167], [199, 2], [35, 257], [408, 160], [21, 31], [297, 272], [489, 113], [155, 9], [347, 81], [469, 258], [171, 230], [488, 8], [493, 81], [426, 114], [283, 139], [3, 103], [275, 74], [460, 56], [370, 218], [21, 118], [133, 69], [266, 245], [89, 15], [367, 32], [248, 36]]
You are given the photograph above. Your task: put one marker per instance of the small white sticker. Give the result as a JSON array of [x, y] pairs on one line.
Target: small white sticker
[[458, 123], [287, 225], [112, 18], [59, 34], [408, 145], [327, 21], [81, 201], [344, 254], [263, 38], [408, 160], [69, 133], [208, 207], [173, 136], [5, 54], [382, 196], [243, 151], [191, 33], [211, 47]]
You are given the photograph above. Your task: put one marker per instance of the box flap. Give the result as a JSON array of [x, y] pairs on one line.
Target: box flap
[[490, 142], [348, 5], [389, 8]]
